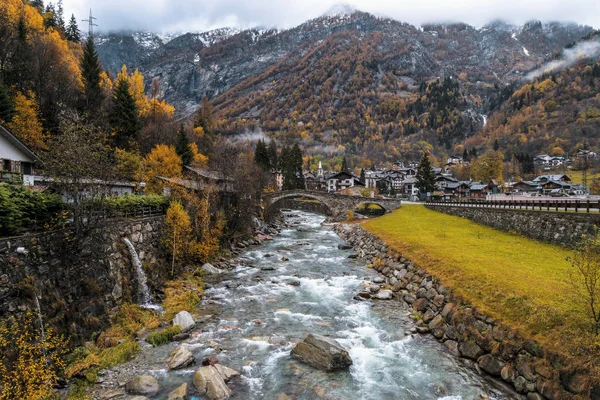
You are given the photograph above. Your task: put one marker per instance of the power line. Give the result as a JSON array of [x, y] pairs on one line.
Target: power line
[[91, 23]]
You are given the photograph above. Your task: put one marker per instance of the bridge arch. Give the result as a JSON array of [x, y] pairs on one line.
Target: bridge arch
[[364, 208], [295, 201]]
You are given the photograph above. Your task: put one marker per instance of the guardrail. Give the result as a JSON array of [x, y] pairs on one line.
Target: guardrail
[[562, 205]]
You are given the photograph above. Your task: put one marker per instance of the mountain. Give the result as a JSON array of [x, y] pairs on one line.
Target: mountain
[[350, 80]]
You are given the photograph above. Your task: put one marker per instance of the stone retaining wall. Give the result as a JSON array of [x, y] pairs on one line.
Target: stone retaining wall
[[293, 204], [486, 344], [552, 227], [78, 281]]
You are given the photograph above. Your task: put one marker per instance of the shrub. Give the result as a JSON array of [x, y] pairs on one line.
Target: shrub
[[163, 336], [182, 295], [30, 359], [22, 209]]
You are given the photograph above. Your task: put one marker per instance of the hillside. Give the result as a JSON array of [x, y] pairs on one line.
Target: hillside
[[350, 82], [556, 113]]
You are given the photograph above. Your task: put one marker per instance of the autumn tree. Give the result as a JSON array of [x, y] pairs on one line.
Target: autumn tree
[[162, 161], [80, 164], [487, 167], [425, 175], [124, 118], [128, 165], [584, 276], [204, 117], [90, 73], [177, 233], [25, 123], [31, 358]]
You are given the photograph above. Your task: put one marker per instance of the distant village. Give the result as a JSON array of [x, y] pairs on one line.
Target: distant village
[[401, 181]]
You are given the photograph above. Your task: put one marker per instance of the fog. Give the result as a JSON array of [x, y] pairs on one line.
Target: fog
[[202, 15]]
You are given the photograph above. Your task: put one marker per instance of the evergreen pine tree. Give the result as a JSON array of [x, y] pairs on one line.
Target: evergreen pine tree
[[261, 155], [90, 73], [7, 109], [50, 17], [72, 30], [496, 145], [182, 147], [39, 4], [124, 117], [465, 155], [297, 167], [344, 165], [60, 15], [272, 152], [425, 175], [362, 175]]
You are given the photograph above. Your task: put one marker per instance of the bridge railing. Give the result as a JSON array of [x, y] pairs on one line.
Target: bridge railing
[[558, 205]]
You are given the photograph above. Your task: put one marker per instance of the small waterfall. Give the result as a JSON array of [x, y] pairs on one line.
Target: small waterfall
[[145, 296]]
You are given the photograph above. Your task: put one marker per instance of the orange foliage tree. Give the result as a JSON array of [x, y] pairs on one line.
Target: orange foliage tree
[[26, 124], [162, 161]]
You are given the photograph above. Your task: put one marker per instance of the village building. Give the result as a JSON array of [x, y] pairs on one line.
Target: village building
[[18, 163], [341, 181]]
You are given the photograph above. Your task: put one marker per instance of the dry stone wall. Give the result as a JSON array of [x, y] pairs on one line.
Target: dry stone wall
[[486, 344], [78, 281], [552, 227]]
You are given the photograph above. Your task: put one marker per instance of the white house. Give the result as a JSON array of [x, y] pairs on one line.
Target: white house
[[342, 180], [17, 161]]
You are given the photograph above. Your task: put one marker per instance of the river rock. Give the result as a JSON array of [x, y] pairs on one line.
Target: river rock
[[344, 247], [209, 269], [322, 352], [181, 393], [112, 394], [384, 295], [374, 288], [420, 304], [378, 279], [180, 357], [143, 385], [184, 320], [490, 364], [211, 381], [470, 349]]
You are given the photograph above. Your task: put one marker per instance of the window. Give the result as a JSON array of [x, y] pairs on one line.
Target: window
[[26, 168], [6, 166]]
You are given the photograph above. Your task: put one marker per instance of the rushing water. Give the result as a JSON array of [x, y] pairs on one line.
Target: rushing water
[[261, 311], [144, 293]]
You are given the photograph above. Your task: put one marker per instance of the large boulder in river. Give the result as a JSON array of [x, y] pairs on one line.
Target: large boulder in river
[[384, 295], [184, 320], [322, 352], [211, 381], [143, 385], [180, 357]]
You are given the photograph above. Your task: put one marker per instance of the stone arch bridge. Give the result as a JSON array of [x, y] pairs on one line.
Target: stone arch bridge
[[334, 205]]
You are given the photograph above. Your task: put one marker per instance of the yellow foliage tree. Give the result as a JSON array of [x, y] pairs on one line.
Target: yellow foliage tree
[[106, 84], [136, 89], [26, 124], [177, 233], [160, 109], [128, 165], [489, 166], [30, 359], [161, 161], [198, 160]]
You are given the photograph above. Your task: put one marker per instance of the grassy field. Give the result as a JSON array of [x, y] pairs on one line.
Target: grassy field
[[576, 176], [517, 280]]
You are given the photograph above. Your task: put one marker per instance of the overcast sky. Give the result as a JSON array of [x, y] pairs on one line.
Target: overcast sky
[[201, 15]]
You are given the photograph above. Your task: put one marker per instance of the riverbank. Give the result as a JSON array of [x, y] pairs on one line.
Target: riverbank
[[452, 317], [304, 281]]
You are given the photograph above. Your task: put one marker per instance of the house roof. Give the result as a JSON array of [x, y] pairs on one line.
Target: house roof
[[551, 178], [19, 144], [341, 175], [211, 175]]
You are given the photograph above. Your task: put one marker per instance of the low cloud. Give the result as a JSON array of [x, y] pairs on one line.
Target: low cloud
[[567, 58]]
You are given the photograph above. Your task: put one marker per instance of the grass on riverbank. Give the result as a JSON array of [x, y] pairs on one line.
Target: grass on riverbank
[[520, 281]]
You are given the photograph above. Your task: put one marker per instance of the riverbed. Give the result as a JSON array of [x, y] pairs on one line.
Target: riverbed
[[260, 309]]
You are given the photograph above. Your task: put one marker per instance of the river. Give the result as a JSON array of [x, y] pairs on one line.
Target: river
[[261, 307]]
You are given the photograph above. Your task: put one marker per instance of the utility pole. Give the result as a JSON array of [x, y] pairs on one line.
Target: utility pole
[[91, 24], [584, 174]]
